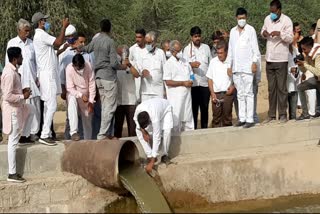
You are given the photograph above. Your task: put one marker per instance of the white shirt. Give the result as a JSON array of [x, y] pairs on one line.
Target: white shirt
[[136, 53], [292, 81], [127, 87], [28, 69], [157, 108], [243, 49], [47, 64], [153, 62], [203, 55], [218, 73], [177, 70], [66, 59]]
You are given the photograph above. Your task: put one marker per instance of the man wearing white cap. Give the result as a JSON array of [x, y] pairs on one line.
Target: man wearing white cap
[[66, 59], [69, 38], [47, 64]]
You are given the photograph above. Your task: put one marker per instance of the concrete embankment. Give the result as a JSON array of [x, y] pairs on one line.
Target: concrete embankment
[[227, 164], [232, 164]]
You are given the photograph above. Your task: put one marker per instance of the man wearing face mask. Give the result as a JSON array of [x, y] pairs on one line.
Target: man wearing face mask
[[165, 46], [243, 58], [176, 74], [47, 63], [77, 40], [199, 56], [277, 30], [127, 99], [28, 72], [70, 39], [81, 91], [150, 69], [136, 52]]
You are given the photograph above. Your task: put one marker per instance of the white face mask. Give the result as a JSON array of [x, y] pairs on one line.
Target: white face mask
[[242, 22], [168, 54], [149, 47], [179, 55]]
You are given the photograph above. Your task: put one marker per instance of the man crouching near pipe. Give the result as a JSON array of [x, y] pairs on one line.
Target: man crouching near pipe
[[154, 117]]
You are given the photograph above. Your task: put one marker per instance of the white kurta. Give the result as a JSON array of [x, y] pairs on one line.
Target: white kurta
[[28, 69], [179, 97], [153, 62], [127, 87], [135, 55], [47, 64], [160, 113], [203, 55]]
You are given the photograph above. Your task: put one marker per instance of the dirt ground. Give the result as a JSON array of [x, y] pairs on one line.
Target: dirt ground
[[262, 107]]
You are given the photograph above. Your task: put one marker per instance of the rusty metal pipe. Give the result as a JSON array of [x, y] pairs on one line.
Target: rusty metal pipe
[[99, 162]]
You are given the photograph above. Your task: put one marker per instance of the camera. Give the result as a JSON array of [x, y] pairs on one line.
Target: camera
[[300, 57]]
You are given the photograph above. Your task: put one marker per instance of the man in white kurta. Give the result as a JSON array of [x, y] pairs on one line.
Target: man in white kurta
[[243, 57], [177, 72], [136, 52], [198, 55], [28, 72], [154, 115], [47, 64], [150, 68]]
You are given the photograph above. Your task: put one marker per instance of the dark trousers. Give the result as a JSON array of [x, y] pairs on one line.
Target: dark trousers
[[125, 111], [53, 133], [310, 83], [96, 119], [200, 98], [277, 87], [292, 101], [222, 113]]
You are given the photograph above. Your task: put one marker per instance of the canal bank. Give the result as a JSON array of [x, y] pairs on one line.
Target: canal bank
[[214, 165]]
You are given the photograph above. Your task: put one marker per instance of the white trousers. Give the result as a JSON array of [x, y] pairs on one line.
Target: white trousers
[[244, 85], [312, 101], [35, 124], [50, 107], [14, 136], [77, 107]]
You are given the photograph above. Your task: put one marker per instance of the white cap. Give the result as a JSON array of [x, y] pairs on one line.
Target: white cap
[[70, 30]]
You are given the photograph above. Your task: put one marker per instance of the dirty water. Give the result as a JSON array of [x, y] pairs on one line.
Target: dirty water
[[144, 189], [288, 204]]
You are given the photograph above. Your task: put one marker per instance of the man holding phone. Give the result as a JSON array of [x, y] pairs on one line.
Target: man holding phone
[[309, 62]]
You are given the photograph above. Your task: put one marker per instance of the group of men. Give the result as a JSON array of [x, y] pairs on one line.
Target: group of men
[[158, 91]]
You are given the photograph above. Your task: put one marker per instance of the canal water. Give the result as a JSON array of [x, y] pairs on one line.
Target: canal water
[[144, 189], [290, 204]]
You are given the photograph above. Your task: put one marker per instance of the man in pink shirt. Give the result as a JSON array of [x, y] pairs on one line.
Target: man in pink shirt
[[17, 116], [81, 91], [277, 30]]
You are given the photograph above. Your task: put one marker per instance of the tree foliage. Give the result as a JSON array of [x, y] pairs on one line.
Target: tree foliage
[[172, 19]]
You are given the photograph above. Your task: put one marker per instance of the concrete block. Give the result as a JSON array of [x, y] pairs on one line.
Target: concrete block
[[33, 159], [59, 195]]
